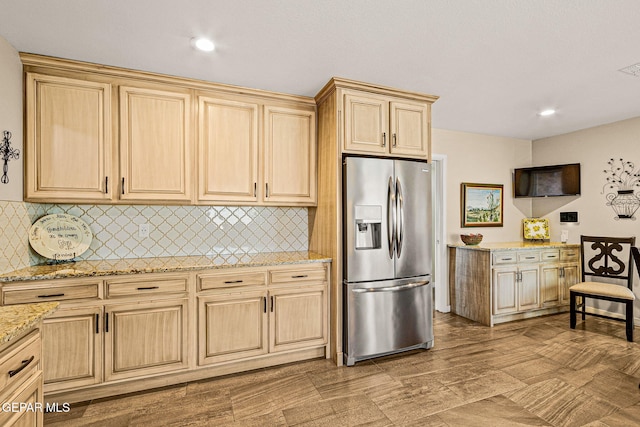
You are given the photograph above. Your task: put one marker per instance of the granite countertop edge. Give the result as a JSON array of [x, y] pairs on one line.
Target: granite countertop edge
[[177, 264], [513, 246], [16, 319]]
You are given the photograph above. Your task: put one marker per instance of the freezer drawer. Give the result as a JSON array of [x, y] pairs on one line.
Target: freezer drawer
[[388, 317]]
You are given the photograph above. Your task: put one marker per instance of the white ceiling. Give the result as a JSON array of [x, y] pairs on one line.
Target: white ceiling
[[494, 63]]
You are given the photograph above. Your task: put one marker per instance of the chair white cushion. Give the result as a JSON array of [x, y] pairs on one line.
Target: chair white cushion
[[603, 289]]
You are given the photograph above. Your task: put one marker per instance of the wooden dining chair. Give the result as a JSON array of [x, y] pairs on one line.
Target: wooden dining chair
[[605, 259]]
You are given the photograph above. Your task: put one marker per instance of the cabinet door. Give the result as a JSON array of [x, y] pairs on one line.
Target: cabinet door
[[145, 338], [366, 123], [72, 348], [298, 317], [569, 277], [529, 288], [505, 290], [29, 393], [228, 150], [155, 145], [290, 156], [550, 284], [232, 326], [68, 139], [409, 129]]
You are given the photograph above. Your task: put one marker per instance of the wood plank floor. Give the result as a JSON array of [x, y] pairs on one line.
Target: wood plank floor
[[535, 372]]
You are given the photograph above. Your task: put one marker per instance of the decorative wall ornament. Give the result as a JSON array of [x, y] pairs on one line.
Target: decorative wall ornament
[[7, 153], [622, 183]]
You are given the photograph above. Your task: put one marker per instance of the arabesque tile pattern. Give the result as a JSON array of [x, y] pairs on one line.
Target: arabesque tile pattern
[[175, 230]]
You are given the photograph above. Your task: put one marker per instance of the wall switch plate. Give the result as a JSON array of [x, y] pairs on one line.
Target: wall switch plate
[[564, 236], [143, 230]]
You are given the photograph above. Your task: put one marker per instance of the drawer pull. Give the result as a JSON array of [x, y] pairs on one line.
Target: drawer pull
[[147, 288], [299, 276], [507, 259], [233, 281], [529, 257], [571, 254], [51, 295], [552, 256], [25, 363]]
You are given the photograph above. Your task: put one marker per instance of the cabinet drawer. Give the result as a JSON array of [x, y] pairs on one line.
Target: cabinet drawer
[[50, 292], [137, 288], [505, 258], [529, 256], [570, 254], [550, 255], [20, 360], [231, 280], [297, 276]]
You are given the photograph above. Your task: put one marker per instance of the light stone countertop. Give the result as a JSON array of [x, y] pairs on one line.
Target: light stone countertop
[[514, 246], [16, 319], [157, 265]]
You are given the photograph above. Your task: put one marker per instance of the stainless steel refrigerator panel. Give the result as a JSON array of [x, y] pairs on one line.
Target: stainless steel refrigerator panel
[[369, 186], [413, 230], [388, 317]]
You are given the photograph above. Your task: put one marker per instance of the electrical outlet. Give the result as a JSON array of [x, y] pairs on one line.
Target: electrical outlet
[[143, 230]]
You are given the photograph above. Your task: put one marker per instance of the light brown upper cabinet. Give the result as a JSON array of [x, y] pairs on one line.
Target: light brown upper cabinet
[[100, 134], [252, 153], [155, 145], [290, 156], [228, 150], [68, 139], [384, 125]]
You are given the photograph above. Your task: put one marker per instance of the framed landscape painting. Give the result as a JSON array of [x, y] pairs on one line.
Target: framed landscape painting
[[481, 205]]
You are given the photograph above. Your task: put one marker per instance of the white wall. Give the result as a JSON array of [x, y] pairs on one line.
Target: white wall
[[592, 148], [483, 159], [11, 117]]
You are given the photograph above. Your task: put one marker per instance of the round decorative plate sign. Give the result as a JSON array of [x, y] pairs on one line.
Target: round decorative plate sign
[[60, 236]]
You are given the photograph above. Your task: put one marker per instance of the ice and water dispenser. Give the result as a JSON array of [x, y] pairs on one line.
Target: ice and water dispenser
[[368, 226]]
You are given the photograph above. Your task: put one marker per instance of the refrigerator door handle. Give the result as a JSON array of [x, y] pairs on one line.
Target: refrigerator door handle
[[391, 217], [400, 217], [392, 288]]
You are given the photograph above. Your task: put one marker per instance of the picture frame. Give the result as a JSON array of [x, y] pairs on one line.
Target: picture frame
[[481, 205]]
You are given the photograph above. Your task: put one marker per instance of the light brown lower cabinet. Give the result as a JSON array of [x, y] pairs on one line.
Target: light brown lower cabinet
[[145, 338], [73, 348], [21, 381], [232, 326], [258, 320], [139, 331], [298, 317]]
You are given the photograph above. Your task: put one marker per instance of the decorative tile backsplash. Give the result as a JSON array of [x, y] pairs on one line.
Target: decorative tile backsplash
[[174, 230]]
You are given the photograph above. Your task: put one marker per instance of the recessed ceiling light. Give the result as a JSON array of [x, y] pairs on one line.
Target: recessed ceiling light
[[203, 44], [549, 112]]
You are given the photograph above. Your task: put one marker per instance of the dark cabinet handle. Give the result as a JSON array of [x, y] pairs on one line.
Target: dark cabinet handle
[[264, 299], [530, 257], [106, 322], [123, 185], [273, 304], [384, 139], [97, 323], [146, 288], [106, 185], [507, 259], [300, 276], [233, 281], [394, 139], [266, 186], [25, 363], [50, 296], [255, 189]]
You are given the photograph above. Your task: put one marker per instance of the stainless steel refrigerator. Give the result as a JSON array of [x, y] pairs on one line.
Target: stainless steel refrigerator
[[388, 293]]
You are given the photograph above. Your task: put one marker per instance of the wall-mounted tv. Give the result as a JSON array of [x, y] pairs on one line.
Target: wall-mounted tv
[[547, 181]]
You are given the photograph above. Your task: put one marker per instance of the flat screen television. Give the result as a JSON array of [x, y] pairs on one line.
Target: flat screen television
[[547, 181]]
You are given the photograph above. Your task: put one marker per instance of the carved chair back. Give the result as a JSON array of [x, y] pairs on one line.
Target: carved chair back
[[607, 257]]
